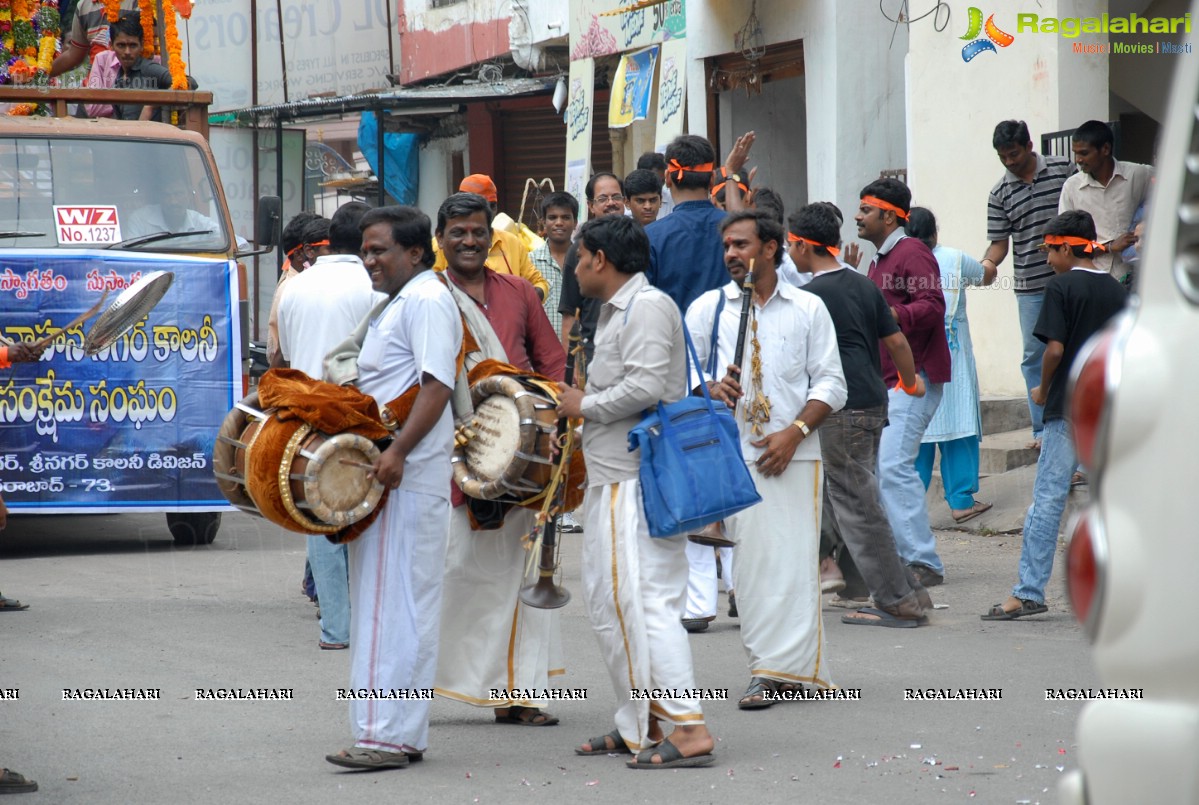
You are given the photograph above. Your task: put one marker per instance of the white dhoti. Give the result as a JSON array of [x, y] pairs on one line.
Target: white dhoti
[[703, 586], [701, 581], [395, 601], [777, 576], [635, 587], [491, 641]]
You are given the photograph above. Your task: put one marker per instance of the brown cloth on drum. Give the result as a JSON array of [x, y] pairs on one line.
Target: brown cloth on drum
[[326, 407]]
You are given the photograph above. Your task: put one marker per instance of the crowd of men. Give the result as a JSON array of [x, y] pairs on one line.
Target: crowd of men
[[841, 373]]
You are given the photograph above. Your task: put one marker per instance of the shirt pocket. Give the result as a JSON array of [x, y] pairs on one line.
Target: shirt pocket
[[371, 355]]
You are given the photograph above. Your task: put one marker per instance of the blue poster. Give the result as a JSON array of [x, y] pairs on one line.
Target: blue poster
[[133, 426]]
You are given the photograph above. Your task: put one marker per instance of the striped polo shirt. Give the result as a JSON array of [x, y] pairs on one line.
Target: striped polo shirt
[[1020, 210]]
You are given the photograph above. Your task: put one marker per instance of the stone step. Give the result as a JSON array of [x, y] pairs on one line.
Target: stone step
[[1010, 494], [1001, 414], [1001, 452]]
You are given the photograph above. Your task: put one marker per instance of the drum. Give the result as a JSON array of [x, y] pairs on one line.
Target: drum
[[292, 475], [510, 453]]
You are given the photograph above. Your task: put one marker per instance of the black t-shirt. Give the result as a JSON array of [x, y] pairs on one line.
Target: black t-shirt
[[144, 74], [861, 317], [572, 299], [1077, 305]]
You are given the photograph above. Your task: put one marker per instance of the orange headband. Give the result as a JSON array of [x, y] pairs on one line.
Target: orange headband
[[718, 185], [833, 250], [315, 244], [1089, 246], [678, 168], [874, 201]]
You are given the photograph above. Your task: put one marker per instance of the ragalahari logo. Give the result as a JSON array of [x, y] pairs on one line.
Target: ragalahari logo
[[994, 36]]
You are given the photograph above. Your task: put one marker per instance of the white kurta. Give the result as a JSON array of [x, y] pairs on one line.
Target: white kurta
[[634, 586], [490, 641]]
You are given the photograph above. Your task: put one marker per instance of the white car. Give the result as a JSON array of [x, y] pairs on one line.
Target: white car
[[1134, 551]]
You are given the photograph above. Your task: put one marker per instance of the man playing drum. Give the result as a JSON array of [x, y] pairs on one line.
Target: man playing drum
[[495, 649], [396, 565], [634, 585]]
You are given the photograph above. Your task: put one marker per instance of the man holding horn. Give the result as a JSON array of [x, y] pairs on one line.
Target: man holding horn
[[789, 380]]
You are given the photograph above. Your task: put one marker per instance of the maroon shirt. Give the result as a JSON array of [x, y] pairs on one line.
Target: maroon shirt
[[910, 281], [515, 313]]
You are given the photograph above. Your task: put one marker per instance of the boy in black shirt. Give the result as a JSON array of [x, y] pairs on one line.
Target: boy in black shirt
[[849, 438], [1079, 301]]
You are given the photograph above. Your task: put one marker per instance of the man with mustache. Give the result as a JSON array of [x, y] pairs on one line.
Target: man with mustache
[[506, 254], [789, 381], [493, 645]]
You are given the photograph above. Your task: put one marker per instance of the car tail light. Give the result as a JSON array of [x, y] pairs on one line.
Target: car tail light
[[1086, 568], [1089, 387]]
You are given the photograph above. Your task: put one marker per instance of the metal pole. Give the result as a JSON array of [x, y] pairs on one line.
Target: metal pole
[[382, 169], [282, 50], [279, 178]]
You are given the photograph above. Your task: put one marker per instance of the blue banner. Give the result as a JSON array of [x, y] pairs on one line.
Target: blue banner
[[133, 426]]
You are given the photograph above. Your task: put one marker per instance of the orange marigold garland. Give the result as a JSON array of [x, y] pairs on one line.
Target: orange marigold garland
[[112, 9], [147, 10], [175, 53]]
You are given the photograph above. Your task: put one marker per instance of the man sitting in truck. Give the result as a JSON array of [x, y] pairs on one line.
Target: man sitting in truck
[[175, 214], [137, 72]]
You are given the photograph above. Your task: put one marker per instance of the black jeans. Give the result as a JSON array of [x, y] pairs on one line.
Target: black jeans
[[853, 511]]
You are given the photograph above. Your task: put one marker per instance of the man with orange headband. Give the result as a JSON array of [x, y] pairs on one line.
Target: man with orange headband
[[291, 241], [318, 309], [1079, 300], [849, 438], [906, 272], [507, 253]]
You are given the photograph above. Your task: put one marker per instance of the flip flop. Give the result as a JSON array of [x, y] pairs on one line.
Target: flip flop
[[333, 646], [526, 717], [13, 783], [12, 605], [360, 758], [972, 512], [1078, 479], [671, 757], [599, 745], [881, 618], [1027, 607]]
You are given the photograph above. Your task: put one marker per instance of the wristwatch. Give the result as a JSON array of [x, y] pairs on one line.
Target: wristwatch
[[803, 427]]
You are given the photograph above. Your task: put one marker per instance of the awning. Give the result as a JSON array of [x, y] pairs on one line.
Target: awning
[[408, 100]]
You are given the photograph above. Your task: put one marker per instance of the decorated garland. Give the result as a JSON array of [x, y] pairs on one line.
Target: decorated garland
[[175, 53], [147, 9], [112, 9]]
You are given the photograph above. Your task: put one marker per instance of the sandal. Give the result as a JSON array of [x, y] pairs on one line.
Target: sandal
[[599, 745], [962, 515], [669, 758], [759, 686], [526, 717], [359, 758], [11, 605], [13, 783], [1000, 612]]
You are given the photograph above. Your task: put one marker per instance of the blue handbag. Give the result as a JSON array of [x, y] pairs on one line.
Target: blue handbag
[[692, 470]]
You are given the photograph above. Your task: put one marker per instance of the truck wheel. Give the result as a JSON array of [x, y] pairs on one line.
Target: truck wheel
[[194, 528]]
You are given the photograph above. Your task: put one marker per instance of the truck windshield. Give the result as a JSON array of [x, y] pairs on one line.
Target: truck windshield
[[85, 193]]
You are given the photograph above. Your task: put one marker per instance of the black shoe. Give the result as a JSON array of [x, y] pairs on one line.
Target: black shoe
[[696, 624], [926, 575], [732, 604]]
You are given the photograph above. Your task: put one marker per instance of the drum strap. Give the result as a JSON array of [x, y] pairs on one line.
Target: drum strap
[[484, 334]]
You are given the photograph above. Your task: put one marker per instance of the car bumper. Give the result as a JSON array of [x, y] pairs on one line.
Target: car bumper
[[1135, 751]]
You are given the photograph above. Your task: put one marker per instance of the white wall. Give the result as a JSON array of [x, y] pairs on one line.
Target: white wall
[[952, 113], [852, 88]]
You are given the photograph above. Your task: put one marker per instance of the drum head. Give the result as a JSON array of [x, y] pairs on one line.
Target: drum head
[[337, 493], [497, 422], [229, 479], [129, 308]]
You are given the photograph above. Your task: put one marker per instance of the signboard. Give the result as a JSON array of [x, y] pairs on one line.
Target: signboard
[[580, 106], [86, 226], [335, 46], [595, 32], [672, 90], [133, 426]]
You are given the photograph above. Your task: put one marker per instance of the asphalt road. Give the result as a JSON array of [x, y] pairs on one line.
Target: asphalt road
[[116, 605]]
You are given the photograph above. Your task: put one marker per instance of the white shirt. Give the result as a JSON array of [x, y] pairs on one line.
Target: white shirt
[[789, 273], [420, 332], [1112, 206], [800, 359], [319, 307]]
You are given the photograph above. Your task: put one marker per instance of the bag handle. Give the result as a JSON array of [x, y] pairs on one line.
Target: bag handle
[[691, 355], [712, 356]]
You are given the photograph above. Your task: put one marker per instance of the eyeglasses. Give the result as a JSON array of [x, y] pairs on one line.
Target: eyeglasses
[[617, 197]]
